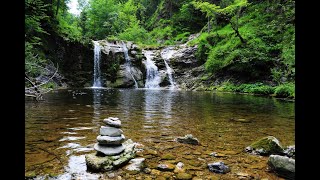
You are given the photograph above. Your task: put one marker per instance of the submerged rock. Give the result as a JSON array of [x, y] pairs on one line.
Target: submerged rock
[[179, 168], [218, 167], [283, 166], [184, 176], [166, 167], [168, 156], [135, 165], [188, 139], [241, 120], [265, 146]]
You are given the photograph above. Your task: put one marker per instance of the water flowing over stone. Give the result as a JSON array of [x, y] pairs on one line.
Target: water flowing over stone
[[153, 78], [97, 73], [166, 54], [128, 63]]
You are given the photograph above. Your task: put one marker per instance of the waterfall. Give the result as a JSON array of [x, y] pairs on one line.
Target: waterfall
[[153, 78], [96, 73], [166, 54], [128, 63]]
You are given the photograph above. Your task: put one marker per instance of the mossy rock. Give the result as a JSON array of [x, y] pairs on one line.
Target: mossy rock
[[265, 146], [98, 163], [168, 156], [184, 176]]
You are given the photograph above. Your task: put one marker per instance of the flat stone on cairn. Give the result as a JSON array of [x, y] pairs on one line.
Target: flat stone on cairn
[[109, 140], [113, 122], [110, 131]]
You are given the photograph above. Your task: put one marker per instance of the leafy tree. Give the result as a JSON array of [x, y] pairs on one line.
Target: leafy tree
[[35, 13], [231, 12]]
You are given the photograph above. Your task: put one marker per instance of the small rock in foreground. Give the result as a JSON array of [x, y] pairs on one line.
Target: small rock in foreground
[[283, 166], [188, 139], [218, 167]]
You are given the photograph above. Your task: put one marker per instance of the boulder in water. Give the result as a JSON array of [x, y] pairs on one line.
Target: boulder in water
[[98, 163], [265, 146], [218, 167], [135, 165], [283, 166], [188, 139]]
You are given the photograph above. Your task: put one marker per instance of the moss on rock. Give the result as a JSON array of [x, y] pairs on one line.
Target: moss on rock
[[265, 146]]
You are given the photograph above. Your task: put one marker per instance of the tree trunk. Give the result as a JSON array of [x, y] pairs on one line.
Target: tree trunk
[[235, 27], [236, 30]]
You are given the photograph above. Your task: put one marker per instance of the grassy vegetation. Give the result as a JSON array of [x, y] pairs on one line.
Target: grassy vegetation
[[281, 91]]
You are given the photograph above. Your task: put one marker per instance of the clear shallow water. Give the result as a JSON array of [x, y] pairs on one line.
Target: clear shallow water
[[64, 127]]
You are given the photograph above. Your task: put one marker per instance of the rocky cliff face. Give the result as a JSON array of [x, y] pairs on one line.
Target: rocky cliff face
[[121, 71], [187, 71], [117, 71], [75, 60]]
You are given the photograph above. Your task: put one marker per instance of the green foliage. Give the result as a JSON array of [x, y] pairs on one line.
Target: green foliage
[[256, 88], [188, 19], [182, 38], [276, 75], [281, 91], [35, 12], [285, 90], [49, 85], [101, 18], [69, 27], [209, 9], [161, 34], [135, 33], [269, 48], [33, 61]]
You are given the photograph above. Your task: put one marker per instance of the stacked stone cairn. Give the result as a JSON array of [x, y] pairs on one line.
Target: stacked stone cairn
[[112, 151], [111, 138]]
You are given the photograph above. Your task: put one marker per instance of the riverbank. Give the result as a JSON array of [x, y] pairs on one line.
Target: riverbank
[[282, 91]]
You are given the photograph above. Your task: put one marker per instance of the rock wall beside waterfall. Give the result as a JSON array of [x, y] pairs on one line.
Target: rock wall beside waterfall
[[187, 71], [113, 65], [74, 59]]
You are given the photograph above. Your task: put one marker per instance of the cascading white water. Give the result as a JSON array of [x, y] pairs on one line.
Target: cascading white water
[[166, 54], [153, 78], [96, 72], [128, 63]]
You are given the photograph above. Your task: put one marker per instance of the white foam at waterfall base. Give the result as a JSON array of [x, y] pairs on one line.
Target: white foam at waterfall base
[[166, 54], [153, 78]]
